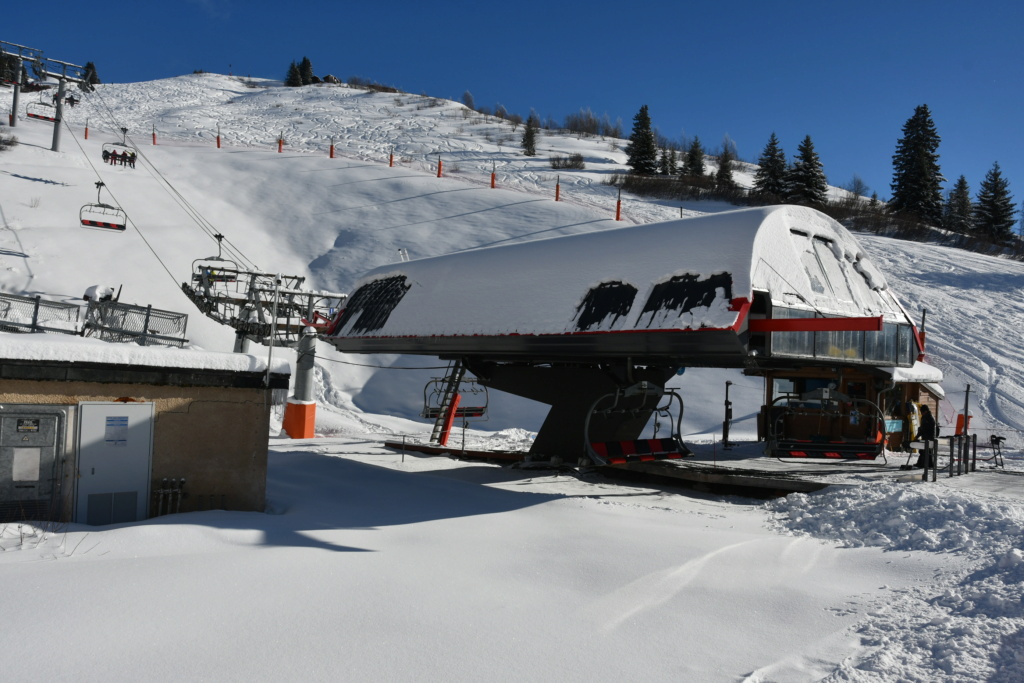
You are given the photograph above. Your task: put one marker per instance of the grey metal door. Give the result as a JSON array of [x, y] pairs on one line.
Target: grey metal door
[[29, 465], [115, 445]]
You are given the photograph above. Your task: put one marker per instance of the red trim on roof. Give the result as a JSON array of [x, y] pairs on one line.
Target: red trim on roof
[[817, 325]]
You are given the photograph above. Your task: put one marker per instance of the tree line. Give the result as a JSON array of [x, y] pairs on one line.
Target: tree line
[[918, 208]]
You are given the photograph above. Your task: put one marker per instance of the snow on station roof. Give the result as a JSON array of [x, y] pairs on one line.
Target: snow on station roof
[[693, 274]]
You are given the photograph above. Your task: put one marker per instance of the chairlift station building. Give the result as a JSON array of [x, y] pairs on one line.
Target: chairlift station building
[[783, 292]]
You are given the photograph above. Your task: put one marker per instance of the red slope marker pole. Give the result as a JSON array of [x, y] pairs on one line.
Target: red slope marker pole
[[439, 166], [558, 188], [391, 157], [332, 148], [280, 143], [87, 129], [492, 175], [218, 136], [154, 135], [618, 207]]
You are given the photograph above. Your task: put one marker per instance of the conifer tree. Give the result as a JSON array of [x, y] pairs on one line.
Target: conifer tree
[[770, 177], [530, 135], [805, 179], [306, 71], [668, 162], [294, 78], [957, 214], [723, 176], [994, 211], [916, 180], [642, 150], [693, 162]]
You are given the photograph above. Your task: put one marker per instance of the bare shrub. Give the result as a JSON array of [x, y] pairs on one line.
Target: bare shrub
[[7, 141], [573, 162]]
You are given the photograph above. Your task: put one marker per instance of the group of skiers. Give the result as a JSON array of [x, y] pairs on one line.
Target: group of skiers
[[124, 158]]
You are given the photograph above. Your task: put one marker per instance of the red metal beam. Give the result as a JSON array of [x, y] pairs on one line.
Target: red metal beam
[[816, 325]]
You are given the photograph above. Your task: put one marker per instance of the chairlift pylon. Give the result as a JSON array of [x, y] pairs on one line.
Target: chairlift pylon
[[103, 216]]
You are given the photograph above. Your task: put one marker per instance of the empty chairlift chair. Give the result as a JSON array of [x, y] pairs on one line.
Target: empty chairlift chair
[[102, 216], [639, 401]]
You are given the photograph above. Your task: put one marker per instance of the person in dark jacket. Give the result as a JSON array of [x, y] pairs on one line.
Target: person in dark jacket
[[927, 432]]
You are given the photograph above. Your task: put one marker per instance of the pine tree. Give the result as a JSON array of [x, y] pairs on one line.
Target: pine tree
[[306, 71], [693, 161], [668, 162], [642, 150], [294, 78], [770, 177], [90, 76], [467, 99], [916, 180], [994, 211], [530, 135], [957, 214], [805, 179], [723, 176]]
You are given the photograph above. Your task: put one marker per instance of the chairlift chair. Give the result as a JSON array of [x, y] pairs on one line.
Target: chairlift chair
[[665, 406], [41, 110], [119, 148], [214, 273], [102, 216], [472, 404]]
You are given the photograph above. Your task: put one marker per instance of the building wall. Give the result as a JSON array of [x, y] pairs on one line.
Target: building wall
[[214, 437]]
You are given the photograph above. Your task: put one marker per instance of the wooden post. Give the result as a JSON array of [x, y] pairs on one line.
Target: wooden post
[[558, 188], [618, 217]]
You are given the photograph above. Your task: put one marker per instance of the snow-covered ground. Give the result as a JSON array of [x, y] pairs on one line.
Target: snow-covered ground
[[371, 565]]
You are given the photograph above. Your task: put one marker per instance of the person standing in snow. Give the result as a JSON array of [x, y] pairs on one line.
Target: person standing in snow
[[927, 432]]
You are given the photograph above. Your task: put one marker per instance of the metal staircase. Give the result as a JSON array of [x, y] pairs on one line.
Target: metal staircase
[[449, 404]]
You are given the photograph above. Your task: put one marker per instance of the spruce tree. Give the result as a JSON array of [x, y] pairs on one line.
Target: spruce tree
[[957, 214], [294, 78], [770, 177], [668, 162], [994, 211], [306, 71], [723, 176], [916, 180], [530, 135], [642, 150], [693, 162], [805, 179]]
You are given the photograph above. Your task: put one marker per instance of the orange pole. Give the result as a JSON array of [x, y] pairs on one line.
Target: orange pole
[[332, 150], [618, 207], [391, 159], [439, 167], [492, 180], [558, 189], [280, 145], [154, 135], [87, 129], [218, 140]]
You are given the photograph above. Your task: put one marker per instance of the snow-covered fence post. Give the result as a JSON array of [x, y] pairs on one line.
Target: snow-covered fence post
[[558, 188], [618, 217]]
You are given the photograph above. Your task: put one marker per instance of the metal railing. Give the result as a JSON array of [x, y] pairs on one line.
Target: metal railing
[[116, 322], [35, 314]]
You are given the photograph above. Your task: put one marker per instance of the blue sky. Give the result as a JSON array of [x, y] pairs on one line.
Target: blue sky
[[847, 74]]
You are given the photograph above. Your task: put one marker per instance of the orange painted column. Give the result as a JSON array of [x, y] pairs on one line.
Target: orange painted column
[[87, 129], [439, 167], [299, 420]]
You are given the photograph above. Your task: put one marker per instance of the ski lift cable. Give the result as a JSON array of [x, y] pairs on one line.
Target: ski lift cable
[[127, 218], [205, 225]]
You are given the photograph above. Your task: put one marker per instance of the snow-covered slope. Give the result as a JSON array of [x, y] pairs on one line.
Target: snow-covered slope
[[301, 212]]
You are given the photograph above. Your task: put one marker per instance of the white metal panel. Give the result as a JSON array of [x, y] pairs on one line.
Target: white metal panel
[[115, 447]]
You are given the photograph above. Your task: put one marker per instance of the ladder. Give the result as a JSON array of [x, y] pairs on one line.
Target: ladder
[[449, 404]]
